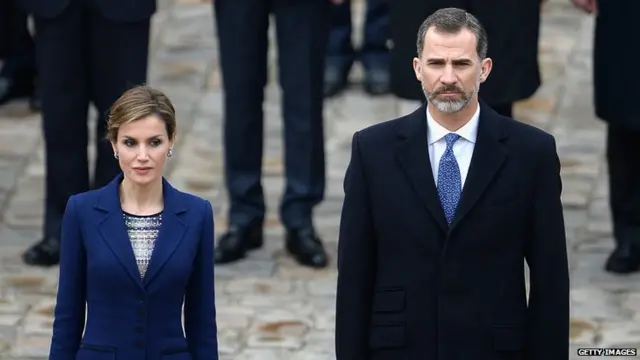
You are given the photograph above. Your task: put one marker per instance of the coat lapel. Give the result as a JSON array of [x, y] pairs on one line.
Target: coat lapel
[[412, 153], [113, 230], [488, 157], [171, 232]]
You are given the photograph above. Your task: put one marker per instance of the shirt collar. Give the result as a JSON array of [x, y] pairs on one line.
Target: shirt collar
[[468, 132]]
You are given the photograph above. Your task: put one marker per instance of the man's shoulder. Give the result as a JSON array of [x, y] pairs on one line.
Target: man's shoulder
[[528, 136], [382, 132]]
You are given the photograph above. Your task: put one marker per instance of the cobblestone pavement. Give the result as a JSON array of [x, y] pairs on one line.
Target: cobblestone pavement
[[268, 307]]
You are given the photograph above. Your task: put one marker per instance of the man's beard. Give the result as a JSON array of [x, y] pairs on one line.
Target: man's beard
[[450, 105]]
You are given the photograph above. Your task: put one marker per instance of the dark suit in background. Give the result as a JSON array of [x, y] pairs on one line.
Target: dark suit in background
[[87, 52], [512, 28], [616, 99], [301, 30], [412, 287], [17, 51], [373, 54]]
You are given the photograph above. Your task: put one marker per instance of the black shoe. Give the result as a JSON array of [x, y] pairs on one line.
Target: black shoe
[[624, 259], [377, 82], [43, 253], [336, 79], [306, 247], [235, 243]]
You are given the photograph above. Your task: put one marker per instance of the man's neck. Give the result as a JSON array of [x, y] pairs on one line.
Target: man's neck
[[455, 121]]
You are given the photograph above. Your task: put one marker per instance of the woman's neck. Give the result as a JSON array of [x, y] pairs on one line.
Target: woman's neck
[[141, 200]]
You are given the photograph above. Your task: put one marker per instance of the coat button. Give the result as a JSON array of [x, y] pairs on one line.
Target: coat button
[[141, 313], [139, 344], [140, 329]]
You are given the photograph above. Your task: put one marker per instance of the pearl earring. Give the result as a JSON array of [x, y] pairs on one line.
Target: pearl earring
[[115, 154], [170, 153]]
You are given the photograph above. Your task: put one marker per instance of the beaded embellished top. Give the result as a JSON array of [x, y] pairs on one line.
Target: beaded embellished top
[[143, 232]]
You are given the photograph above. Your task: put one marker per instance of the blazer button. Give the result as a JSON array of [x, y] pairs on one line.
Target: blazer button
[[141, 313], [139, 344], [140, 329]]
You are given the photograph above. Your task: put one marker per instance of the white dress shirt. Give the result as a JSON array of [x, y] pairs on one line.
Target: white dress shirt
[[462, 149]]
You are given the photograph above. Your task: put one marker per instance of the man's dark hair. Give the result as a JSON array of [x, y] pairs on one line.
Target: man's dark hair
[[451, 21]]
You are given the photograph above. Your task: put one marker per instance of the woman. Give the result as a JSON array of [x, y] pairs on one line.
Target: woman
[[133, 250]]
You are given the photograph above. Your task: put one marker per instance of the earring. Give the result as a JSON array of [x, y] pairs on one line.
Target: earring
[[170, 153], [115, 154]]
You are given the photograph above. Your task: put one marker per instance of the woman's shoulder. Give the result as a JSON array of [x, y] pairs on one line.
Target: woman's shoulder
[[192, 201], [84, 199]]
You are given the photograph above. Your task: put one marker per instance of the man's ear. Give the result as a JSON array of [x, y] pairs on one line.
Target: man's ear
[[485, 69], [417, 68]]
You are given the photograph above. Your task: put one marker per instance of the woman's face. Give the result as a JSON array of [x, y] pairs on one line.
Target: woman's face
[[142, 147]]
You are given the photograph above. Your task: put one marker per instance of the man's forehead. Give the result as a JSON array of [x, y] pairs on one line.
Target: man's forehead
[[460, 44]]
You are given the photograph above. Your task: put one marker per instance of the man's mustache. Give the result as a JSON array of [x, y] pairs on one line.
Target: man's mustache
[[448, 89]]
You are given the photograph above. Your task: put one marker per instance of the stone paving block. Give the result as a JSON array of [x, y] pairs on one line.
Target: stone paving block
[[31, 347], [320, 342], [595, 304], [624, 333], [278, 328], [583, 332], [324, 320], [234, 316], [261, 354], [229, 340], [258, 286], [9, 324]]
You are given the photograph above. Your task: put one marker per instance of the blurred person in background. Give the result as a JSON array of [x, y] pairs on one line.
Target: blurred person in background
[[87, 51], [302, 27], [513, 28], [615, 99], [373, 54], [17, 51]]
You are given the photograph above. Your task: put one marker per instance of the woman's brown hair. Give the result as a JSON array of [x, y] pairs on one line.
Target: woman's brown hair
[[138, 103]]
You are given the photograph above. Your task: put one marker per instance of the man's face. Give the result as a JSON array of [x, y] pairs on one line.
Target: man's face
[[450, 70]]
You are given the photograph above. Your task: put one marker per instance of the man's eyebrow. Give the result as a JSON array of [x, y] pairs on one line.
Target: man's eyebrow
[[463, 61]]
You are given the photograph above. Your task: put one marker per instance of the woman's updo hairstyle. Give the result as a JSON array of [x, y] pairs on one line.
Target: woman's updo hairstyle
[[138, 103]]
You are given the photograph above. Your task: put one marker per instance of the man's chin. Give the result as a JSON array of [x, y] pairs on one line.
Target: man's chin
[[449, 107]]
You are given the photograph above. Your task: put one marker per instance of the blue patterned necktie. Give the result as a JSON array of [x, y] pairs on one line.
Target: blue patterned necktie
[[449, 181]]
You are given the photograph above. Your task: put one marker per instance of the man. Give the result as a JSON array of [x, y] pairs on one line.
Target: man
[[373, 54], [441, 208], [512, 26], [616, 104], [301, 30], [17, 50], [88, 51]]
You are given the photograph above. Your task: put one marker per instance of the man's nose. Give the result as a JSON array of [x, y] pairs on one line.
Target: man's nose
[[449, 75]]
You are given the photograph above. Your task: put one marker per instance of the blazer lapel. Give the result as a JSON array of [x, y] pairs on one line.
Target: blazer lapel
[[171, 232], [113, 230], [488, 157], [412, 153]]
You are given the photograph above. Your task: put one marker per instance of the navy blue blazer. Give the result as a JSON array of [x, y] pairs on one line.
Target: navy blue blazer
[[128, 317]]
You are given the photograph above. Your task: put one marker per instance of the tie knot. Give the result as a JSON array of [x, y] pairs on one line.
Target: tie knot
[[451, 138]]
